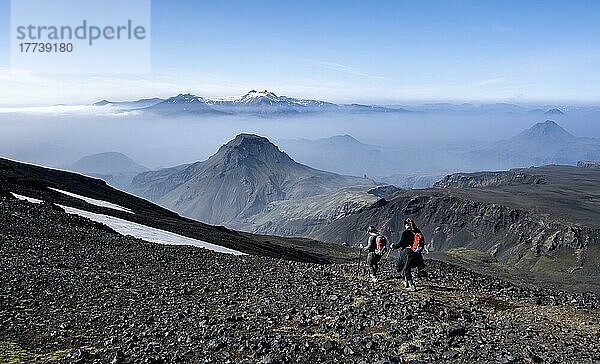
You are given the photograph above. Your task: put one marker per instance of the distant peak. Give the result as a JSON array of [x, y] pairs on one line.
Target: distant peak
[[254, 93], [186, 96], [110, 154], [550, 124], [344, 138], [546, 130], [260, 92], [554, 111]]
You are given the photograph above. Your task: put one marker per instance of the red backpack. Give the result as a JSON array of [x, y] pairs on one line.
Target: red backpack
[[418, 243], [381, 244]]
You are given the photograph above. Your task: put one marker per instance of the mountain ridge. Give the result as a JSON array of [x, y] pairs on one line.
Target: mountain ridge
[[542, 219], [253, 102], [238, 181]]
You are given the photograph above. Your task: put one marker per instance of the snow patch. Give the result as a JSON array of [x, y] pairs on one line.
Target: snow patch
[[30, 199], [139, 231], [148, 233], [93, 201]]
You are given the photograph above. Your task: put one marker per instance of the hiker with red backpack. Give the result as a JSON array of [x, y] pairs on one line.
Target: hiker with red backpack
[[412, 245], [376, 247]]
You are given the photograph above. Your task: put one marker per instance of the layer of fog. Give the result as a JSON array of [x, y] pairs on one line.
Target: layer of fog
[[160, 142]]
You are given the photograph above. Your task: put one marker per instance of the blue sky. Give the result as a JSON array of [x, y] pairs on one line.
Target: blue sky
[[350, 51]]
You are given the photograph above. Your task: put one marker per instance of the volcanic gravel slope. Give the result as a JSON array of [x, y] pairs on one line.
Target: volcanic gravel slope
[[74, 291]]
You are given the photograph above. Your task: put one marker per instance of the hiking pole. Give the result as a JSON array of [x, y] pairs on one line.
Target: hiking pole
[[387, 254], [359, 261]]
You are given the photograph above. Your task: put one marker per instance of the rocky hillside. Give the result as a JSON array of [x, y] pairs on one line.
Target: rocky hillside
[[77, 292], [305, 216], [238, 182], [491, 179], [539, 220], [94, 196]]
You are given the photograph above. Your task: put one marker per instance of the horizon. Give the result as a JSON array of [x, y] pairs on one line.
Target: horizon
[[534, 53], [400, 103]]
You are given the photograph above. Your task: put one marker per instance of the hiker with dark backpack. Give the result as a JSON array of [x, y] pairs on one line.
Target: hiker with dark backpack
[[376, 247], [412, 245]]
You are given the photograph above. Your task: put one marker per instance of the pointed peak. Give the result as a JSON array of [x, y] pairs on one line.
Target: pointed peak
[[548, 124], [102, 103], [547, 130], [554, 111], [347, 138]]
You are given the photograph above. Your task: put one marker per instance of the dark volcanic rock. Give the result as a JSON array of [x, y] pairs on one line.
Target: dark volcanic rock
[[386, 191], [5, 194], [491, 179], [74, 292]]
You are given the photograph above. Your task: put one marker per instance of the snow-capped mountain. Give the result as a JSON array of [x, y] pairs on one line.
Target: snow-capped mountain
[[266, 97], [253, 103], [267, 102]]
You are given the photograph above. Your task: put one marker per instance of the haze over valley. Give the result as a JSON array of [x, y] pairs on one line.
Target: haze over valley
[[411, 145]]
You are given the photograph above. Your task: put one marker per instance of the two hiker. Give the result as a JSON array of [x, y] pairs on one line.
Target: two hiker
[[412, 245], [376, 247]]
